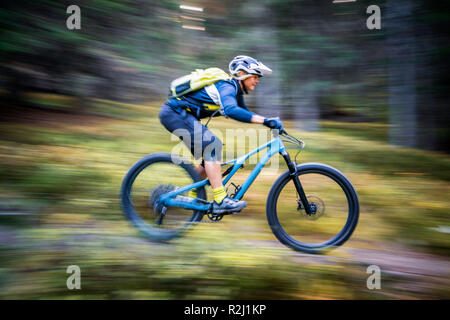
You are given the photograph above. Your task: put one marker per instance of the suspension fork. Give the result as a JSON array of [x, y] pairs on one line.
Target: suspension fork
[[292, 166]]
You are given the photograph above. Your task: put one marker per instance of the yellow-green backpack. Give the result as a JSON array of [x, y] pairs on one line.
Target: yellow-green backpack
[[196, 80]]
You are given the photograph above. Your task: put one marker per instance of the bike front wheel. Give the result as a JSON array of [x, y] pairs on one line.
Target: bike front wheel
[[145, 182], [334, 209]]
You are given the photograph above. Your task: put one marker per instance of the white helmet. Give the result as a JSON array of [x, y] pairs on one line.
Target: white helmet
[[249, 65]]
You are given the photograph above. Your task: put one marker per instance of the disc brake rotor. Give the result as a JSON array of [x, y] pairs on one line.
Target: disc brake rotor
[[316, 205]]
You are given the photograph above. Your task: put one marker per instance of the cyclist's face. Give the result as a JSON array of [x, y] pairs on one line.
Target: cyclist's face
[[251, 82]]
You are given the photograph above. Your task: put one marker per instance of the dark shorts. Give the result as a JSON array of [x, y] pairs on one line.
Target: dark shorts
[[202, 142]]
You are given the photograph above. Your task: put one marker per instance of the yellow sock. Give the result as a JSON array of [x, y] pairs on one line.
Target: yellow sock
[[219, 194], [192, 193]]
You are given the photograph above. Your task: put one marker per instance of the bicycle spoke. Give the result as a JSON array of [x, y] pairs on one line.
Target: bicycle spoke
[[142, 189], [333, 204], [328, 204]]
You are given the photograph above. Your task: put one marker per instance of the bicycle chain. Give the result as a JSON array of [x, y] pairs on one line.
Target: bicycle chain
[[208, 221]]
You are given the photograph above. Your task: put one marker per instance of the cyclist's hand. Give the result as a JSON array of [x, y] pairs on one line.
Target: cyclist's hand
[[273, 123]]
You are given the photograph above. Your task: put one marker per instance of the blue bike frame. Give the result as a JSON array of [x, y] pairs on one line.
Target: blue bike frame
[[273, 147]]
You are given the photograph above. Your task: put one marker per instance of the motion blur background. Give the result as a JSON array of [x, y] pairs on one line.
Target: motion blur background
[[79, 107]]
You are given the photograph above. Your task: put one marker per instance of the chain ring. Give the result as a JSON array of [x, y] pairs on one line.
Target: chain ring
[[214, 218], [316, 204]]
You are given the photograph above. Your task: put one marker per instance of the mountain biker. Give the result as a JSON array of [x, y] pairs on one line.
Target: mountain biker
[[224, 97]]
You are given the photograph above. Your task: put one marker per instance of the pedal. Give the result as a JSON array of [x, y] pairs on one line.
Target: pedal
[[231, 212]]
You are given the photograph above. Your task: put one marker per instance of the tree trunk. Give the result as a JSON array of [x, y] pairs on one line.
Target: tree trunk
[[402, 73]]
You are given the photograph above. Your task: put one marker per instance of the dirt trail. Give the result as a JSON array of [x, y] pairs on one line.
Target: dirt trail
[[394, 260], [405, 274]]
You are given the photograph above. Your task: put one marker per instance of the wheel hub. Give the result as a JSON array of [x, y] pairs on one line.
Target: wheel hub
[[316, 206]]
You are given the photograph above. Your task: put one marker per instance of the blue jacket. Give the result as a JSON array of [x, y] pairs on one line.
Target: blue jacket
[[225, 95]]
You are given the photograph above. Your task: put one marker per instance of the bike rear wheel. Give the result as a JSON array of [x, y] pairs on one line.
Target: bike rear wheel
[[146, 180], [332, 199]]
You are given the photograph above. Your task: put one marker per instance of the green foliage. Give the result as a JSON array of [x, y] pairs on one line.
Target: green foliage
[[63, 161], [72, 172]]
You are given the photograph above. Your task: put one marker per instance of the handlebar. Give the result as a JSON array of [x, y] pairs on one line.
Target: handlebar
[[291, 139]]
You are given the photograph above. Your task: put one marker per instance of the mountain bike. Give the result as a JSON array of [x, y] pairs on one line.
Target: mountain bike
[[311, 207]]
